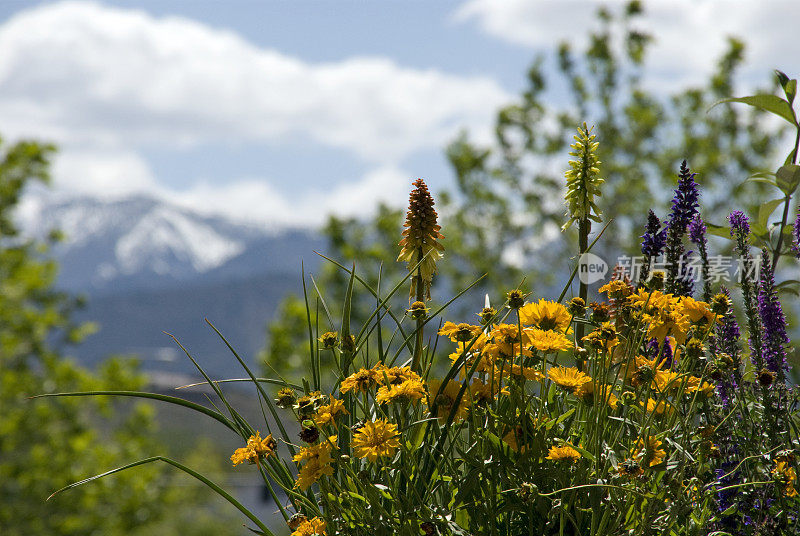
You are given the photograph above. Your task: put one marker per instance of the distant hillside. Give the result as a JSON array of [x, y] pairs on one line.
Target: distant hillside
[[148, 266]]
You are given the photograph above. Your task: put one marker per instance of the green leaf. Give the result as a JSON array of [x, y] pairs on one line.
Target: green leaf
[[789, 86], [765, 210], [769, 103], [718, 230], [787, 178]]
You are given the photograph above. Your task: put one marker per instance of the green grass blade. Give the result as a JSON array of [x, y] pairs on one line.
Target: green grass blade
[[154, 396], [183, 468], [268, 400]]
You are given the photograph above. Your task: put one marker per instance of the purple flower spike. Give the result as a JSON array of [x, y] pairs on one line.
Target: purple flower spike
[[654, 238], [685, 202], [697, 230], [772, 320], [796, 235], [740, 224]]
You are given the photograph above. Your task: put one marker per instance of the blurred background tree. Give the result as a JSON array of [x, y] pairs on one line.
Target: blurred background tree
[[48, 443], [503, 216]]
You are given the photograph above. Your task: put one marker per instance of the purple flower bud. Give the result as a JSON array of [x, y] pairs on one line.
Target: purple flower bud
[[740, 224]]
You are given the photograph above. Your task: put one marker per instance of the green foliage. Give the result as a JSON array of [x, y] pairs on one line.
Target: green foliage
[[46, 444]]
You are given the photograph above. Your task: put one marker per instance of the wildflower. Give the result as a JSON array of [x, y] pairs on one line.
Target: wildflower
[[726, 339], [697, 311], [616, 289], [445, 399], [308, 432], [487, 314], [481, 393], [740, 232], [420, 237], [285, 398], [317, 460], [628, 398], [600, 312], [546, 315], [648, 452], [329, 339], [786, 475], [721, 303], [394, 375], [695, 384], [327, 413], [697, 234], [256, 448], [772, 320], [548, 340], [694, 348], [796, 235], [460, 332], [577, 306], [315, 526], [506, 337], [410, 390], [583, 181], [516, 299], [766, 377], [363, 381], [658, 408], [418, 310], [307, 404], [684, 208], [586, 392], [654, 238], [564, 453], [296, 520], [568, 378], [630, 468], [529, 373], [376, 439]]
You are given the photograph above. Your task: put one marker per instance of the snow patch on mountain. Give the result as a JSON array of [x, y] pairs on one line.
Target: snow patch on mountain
[[164, 231]]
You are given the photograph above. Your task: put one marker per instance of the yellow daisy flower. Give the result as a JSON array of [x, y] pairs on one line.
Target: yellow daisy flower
[[413, 390], [327, 412], [649, 452], [698, 312], [446, 399], [363, 380], [568, 378], [255, 449], [660, 408], [317, 460], [310, 528], [376, 439], [547, 340], [546, 315], [563, 453], [462, 332]]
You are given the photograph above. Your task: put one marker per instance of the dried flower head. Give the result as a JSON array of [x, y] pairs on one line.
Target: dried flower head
[[329, 339], [285, 398], [420, 239]]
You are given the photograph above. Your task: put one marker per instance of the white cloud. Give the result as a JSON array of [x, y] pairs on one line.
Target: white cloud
[[690, 35], [254, 200], [96, 75], [102, 173]]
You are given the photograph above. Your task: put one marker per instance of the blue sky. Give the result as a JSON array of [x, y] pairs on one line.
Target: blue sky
[[280, 112]]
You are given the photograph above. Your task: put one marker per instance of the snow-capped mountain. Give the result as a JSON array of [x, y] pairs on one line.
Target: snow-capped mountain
[[142, 242], [147, 266]]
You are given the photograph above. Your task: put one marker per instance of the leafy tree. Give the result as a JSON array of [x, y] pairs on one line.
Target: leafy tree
[[504, 216], [46, 444]]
